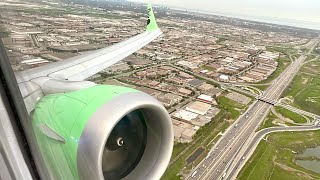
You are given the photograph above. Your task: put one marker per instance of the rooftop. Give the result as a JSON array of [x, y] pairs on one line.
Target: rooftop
[[185, 115], [205, 97], [198, 107], [195, 82]]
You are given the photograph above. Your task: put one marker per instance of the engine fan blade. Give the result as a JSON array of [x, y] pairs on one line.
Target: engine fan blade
[[125, 146]]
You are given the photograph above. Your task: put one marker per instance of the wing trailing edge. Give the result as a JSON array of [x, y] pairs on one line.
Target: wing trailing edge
[[81, 67]]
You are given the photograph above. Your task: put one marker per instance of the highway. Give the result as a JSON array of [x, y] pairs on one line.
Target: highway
[[259, 136], [299, 111], [231, 149]]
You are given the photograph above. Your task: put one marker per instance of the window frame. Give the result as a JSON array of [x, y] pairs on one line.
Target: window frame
[[18, 126]]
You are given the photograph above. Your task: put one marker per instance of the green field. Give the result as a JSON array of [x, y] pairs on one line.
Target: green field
[[291, 115], [274, 159], [208, 68], [311, 57], [178, 148], [253, 89], [282, 50], [263, 88], [305, 88], [268, 121], [231, 106]]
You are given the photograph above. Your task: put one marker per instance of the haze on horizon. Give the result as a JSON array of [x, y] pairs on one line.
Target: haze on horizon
[[294, 12]]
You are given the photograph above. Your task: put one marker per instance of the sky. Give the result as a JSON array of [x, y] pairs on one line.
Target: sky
[[295, 12]]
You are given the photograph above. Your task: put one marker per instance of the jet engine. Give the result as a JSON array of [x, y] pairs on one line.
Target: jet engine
[[103, 132]]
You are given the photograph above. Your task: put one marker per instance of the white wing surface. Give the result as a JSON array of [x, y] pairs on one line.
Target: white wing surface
[[81, 67]]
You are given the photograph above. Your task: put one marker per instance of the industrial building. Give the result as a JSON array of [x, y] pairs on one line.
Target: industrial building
[[185, 116], [195, 83], [198, 107], [205, 98]]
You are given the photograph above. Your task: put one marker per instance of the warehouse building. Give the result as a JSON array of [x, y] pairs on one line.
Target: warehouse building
[[198, 107]]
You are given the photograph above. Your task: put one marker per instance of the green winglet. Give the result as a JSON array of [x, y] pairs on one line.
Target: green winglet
[[152, 24]]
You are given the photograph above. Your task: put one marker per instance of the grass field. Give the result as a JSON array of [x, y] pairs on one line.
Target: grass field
[[230, 106], [178, 148], [305, 88], [282, 50], [253, 89], [268, 121], [208, 68], [261, 87], [291, 115], [311, 57], [274, 159]]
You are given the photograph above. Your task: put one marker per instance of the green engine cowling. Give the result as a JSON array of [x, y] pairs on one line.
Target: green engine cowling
[[103, 132]]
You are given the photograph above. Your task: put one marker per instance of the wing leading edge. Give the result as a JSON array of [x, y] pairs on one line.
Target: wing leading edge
[[81, 67]]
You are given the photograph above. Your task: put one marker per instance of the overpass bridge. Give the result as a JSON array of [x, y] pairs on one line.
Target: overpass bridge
[[272, 101], [288, 107]]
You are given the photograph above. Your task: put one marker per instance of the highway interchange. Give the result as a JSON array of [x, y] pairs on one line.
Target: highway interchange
[[230, 153]]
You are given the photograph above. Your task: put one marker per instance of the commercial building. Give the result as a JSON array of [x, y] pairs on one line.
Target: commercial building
[[205, 87], [224, 78], [188, 134], [195, 83], [198, 107], [169, 99], [205, 98], [185, 116], [185, 91], [178, 132]]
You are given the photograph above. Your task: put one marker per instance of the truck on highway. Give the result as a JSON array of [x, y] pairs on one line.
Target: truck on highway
[[194, 174], [224, 175]]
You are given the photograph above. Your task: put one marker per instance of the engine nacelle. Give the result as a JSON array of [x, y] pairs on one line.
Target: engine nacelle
[[103, 132]]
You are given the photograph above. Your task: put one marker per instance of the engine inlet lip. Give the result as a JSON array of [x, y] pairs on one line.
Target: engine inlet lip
[[97, 131]]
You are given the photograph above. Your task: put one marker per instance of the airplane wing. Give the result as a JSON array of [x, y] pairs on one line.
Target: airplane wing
[[81, 67], [89, 131]]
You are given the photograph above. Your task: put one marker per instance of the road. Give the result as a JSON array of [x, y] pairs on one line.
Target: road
[[284, 119], [309, 45], [258, 137], [231, 148], [299, 111]]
